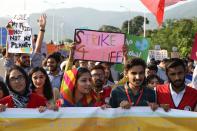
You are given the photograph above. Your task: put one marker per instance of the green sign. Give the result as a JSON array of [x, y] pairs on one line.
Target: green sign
[[138, 46]]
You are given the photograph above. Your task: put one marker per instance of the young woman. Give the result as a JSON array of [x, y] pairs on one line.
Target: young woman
[[20, 95], [41, 84], [3, 90], [76, 88]]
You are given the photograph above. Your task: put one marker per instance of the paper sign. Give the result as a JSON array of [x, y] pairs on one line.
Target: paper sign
[[99, 46], [19, 36], [175, 55], [158, 54]]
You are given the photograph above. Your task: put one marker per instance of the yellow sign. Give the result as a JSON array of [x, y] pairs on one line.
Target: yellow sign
[[96, 119]]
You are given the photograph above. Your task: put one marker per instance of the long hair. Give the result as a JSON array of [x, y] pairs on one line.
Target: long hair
[[4, 88], [18, 68], [47, 89]]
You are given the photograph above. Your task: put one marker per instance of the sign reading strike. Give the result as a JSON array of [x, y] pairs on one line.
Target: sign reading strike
[[99, 46], [19, 35]]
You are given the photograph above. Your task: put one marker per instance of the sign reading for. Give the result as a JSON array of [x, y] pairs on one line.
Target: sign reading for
[[19, 36], [99, 46]]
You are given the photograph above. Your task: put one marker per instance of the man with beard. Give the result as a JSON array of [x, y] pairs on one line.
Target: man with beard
[[101, 93], [133, 92], [176, 94], [23, 60], [53, 70]]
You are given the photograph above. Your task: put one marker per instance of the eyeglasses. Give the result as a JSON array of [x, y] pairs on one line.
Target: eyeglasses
[[98, 75], [18, 78]]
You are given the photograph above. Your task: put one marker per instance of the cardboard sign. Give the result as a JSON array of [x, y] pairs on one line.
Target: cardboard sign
[[194, 49], [158, 54], [99, 46], [19, 36]]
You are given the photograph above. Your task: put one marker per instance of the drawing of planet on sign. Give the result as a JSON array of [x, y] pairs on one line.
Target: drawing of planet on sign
[[141, 45]]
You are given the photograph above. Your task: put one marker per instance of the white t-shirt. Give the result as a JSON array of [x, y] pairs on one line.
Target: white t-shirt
[[194, 78]]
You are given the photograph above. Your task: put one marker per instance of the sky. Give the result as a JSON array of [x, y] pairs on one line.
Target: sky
[[11, 7]]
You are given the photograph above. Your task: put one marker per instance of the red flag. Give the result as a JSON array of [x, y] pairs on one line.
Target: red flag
[[194, 49], [157, 7]]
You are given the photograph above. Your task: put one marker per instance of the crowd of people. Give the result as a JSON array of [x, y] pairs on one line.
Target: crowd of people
[[51, 82]]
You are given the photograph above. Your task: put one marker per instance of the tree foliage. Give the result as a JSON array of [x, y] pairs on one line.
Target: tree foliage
[[109, 28], [179, 33], [135, 25]]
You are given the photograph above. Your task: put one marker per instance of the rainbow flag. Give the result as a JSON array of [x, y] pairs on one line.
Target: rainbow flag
[[68, 85]]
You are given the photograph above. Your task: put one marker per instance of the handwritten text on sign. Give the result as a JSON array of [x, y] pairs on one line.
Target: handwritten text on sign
[[19, 36], [99, 46]]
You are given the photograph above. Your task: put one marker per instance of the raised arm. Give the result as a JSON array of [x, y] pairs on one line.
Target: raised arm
[[42, 24]]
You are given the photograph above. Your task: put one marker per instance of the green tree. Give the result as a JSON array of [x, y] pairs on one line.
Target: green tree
[[179, 33], [135, 25], [109, 28]]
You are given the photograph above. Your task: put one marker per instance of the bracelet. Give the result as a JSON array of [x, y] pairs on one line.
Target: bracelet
[[42, 30]]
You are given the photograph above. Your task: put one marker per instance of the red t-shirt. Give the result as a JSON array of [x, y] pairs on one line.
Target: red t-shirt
[[103, 96], [34, 101]]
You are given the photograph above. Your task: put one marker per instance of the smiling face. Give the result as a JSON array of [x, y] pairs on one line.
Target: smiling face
[[84, 83], [136, 75], [17, 81], [52, 64], [38, 79]]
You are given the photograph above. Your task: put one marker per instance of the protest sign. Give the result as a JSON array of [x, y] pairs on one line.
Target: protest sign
[[96, 119], [3, 36], [175, 55], [194, 49], [138, 46], [99, 46], [158, 54], [19, 36]]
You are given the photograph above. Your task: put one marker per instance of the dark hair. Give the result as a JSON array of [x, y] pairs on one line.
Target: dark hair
[[35, 37], [152, 66], [4, 88], [3, 52], [134, 62], [98, 67], [151, 77], [47, 91], [54, 56], [80, 71], [110, 74], [15, 67], [174, 62]]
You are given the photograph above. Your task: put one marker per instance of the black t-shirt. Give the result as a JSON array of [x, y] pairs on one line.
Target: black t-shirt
[[144, 95]]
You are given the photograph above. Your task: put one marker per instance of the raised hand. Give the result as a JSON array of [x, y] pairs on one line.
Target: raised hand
[[42, 21]]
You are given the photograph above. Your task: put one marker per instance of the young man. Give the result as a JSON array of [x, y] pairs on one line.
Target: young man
[[176, 94], [134, 92], [101, 93], [53, 70]]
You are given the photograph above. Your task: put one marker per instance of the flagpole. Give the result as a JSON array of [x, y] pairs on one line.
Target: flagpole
[[144, 24]]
